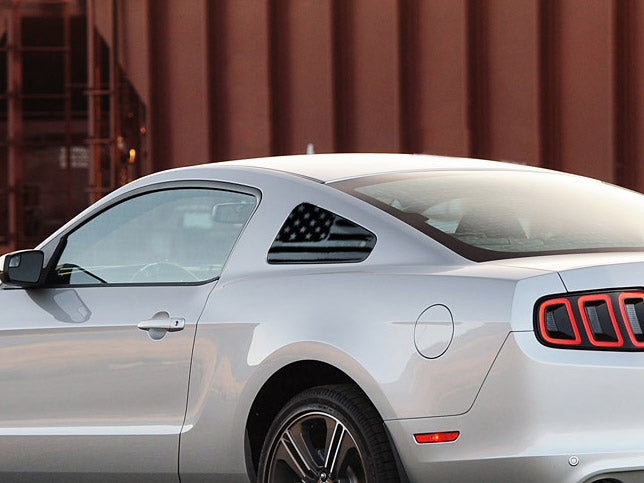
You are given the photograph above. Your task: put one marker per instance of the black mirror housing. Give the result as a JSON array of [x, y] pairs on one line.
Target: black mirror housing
[[22, 268]]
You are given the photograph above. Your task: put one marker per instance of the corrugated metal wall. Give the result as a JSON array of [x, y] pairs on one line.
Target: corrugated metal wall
[[556, 83]]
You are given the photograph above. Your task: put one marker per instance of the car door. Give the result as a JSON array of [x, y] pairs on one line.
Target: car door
[[94, 364]]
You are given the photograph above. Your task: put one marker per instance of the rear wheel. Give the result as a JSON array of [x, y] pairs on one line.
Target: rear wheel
[[327, 434]]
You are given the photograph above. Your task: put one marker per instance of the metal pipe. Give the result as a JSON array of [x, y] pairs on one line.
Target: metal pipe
[[94, 167], [114, 97], [14, 125], [68, 110]]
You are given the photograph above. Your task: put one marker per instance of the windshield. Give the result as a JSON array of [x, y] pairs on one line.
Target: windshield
[[488, 215]]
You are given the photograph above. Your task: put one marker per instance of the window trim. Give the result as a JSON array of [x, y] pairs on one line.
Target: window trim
[[53, 250]]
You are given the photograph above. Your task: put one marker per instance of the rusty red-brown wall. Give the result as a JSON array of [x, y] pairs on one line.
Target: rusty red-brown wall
[[556, 83]]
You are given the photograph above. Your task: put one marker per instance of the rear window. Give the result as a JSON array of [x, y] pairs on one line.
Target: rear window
[[490, 215]]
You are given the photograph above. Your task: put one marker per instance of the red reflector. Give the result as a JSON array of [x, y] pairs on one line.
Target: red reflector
[[444, 437]]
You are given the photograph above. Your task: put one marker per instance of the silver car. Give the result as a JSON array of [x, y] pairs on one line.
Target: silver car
[[331, 318]]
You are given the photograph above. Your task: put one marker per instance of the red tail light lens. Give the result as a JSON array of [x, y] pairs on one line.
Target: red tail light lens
[[592, 321], [631, 306], [599, 320], [557, 322]]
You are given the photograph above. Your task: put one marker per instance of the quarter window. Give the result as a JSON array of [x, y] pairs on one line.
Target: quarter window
[[312, 234], [168, 236]]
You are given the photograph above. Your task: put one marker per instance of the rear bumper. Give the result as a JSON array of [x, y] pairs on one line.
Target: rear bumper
[[539, 410]]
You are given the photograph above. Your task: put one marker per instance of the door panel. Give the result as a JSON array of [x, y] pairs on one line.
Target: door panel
[[85, 392], [84, 389]]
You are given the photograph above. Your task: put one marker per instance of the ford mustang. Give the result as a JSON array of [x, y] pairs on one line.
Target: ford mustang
[[331, 318]]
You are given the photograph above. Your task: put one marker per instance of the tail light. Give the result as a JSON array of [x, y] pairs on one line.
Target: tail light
[[611, 320], [557, 322], [631, 306]]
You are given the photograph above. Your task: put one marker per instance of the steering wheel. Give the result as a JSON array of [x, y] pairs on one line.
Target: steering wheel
[[159, 272]]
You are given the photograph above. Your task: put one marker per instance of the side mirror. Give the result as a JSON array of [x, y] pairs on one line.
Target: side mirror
[[22, 268]]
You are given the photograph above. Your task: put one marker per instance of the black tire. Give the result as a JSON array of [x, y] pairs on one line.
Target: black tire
[[327, 434]]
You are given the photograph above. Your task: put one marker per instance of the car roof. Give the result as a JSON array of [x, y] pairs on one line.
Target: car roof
[[327, 168]]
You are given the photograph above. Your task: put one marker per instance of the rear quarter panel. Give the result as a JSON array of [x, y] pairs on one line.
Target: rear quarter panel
[[357, 317], [361, 323]]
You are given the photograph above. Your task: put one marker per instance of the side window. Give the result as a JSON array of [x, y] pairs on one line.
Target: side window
[[312, 234], [169, 236]]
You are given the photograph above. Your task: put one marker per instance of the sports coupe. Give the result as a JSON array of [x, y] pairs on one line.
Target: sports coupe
[[331, 318]]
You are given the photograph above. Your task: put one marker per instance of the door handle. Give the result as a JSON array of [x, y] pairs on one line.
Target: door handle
[[161, 323], [172, 324]]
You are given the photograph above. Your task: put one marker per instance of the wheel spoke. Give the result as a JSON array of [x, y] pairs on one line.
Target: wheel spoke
[[292, 450], [347, 460], [333, 443]]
